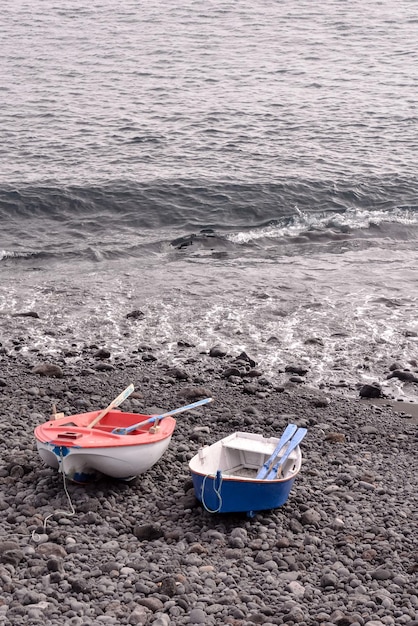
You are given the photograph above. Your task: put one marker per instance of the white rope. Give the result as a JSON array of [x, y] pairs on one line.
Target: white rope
[[35, 536], [217, 491]]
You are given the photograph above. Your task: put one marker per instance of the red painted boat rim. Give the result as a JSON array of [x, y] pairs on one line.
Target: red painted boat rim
[[72, 431]]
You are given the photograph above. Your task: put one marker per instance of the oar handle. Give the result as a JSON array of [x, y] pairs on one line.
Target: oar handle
[[155, 418], [116, 402]]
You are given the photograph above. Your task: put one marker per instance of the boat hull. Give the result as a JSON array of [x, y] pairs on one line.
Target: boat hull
[[84, 465], [225, 480], [83, 454], [227, 495]]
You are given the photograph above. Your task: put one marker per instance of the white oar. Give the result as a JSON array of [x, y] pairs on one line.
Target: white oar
[[157, 418], [116, 402]]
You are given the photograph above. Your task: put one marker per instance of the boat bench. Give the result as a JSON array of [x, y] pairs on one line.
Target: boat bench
[[250, 445], [245, 452]]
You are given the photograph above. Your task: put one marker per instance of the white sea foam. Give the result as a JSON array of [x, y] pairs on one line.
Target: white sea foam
[[310, 222]]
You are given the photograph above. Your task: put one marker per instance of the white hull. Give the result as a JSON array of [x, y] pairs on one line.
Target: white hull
[[118, 462]]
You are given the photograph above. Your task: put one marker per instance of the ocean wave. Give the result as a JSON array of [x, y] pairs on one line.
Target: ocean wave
[[223, 205], [401, 223], [11, 254], [124, 219]]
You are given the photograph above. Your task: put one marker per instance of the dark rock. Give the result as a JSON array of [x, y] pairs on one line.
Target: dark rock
[[371, 391], [335, 437], [295, 526], [381, 574], [296, 379], [169, 587], [82, 403], [189, 501], [48, 369], [104, 367], [148, 532], [7, 545], [31, 597], [369, 430], [153, 604], [16, 471], [296, 369], [177, 373], [254, 374], [197, 616], [12, 556], [110, 566], [316, 341], [102, 354], [135, 315], [193, 393], [404, 375], [79, 585], [395, 366], [320, 403], [50, 549], [231, 371], [218, 351], [310, 517], [33, 314], [55, 565], [244, 357], [250, 389], [329, 579]]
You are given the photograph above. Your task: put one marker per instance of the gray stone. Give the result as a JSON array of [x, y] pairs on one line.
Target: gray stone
[[381, 574], [151, 603], [139, 616], [197, 616], [48, 369], [329, 579], [310, 517]]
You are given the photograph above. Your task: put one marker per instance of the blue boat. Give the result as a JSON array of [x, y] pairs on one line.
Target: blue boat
[[246, 472]]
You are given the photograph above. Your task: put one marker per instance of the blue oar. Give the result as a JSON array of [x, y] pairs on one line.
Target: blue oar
[[157, 418], [287, 434], [294, 442]]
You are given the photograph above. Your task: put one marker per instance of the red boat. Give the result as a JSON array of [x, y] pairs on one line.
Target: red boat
[[112, 447]]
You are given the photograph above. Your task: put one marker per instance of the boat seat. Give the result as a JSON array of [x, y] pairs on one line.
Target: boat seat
[[250, 445]]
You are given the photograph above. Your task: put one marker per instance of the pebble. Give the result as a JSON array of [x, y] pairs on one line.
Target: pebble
[[340, 551]]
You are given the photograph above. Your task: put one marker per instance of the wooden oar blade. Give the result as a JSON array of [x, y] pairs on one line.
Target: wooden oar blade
[[116, 402], [287, 434]]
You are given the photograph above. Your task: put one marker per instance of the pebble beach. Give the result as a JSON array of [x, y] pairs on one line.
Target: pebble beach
[[342, 550]]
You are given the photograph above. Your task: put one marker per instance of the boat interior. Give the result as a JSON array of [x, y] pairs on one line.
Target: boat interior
[[241, 455]]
